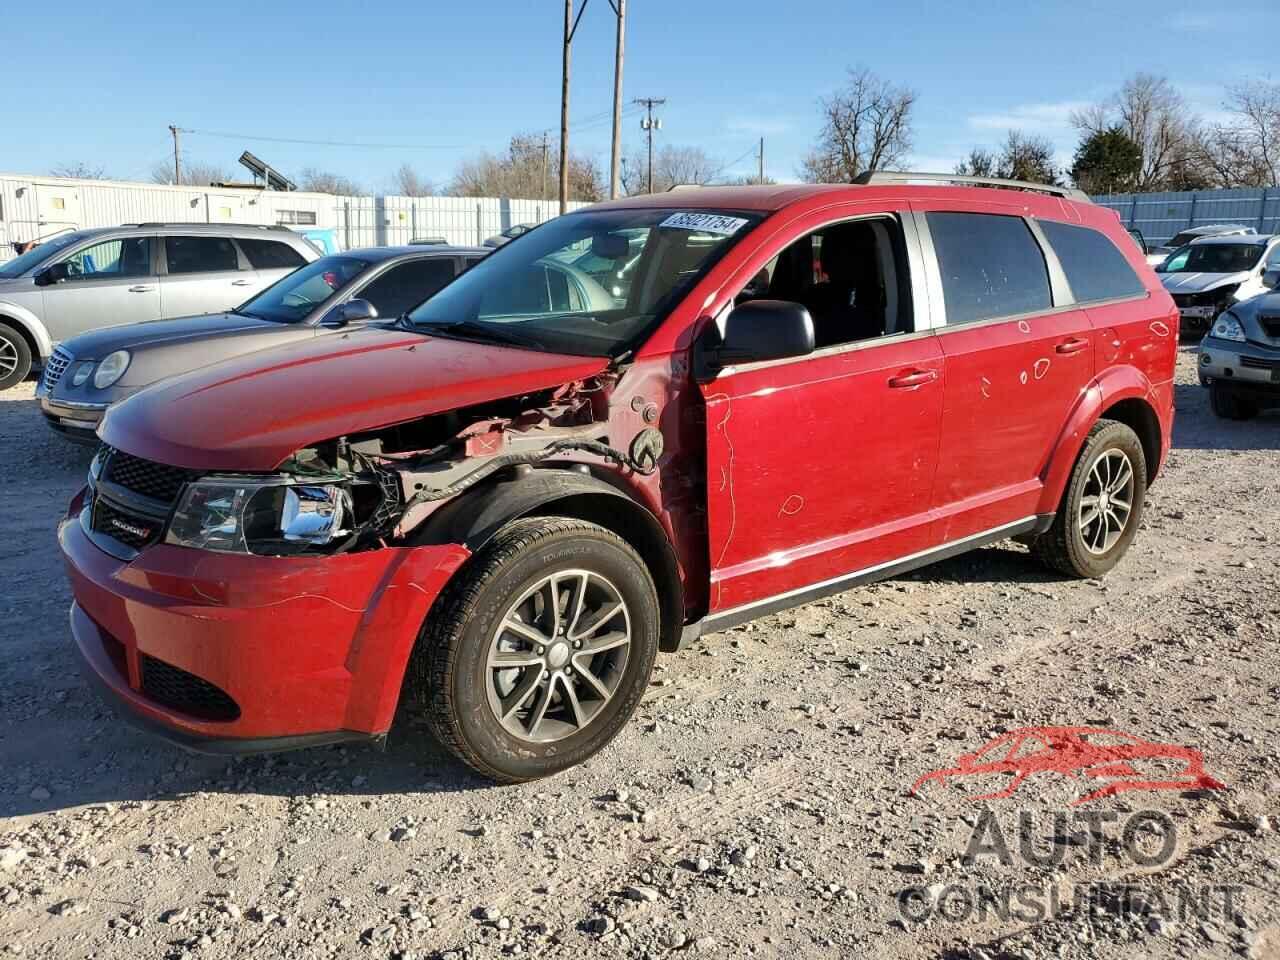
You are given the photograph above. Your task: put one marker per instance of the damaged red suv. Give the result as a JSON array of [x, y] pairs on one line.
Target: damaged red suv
[[643, 421]]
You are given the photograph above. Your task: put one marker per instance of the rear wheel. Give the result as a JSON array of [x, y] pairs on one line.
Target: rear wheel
[[1229, 405], [540, 650], [1101, 506], [15, 357]]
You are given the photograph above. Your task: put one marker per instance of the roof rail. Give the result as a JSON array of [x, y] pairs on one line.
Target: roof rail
[[902, 176], [210, 226], [685, 186]]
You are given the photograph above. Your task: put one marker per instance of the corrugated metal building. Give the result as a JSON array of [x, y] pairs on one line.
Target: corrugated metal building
[[1160, 215], [32, 207]]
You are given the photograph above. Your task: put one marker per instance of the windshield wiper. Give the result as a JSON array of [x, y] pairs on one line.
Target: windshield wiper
[[473, 330]]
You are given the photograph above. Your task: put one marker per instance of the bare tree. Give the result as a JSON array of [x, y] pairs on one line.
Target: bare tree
[[1245, 150], [194, 173], [865, 126], [526, 171], [313, 180], [979, 163], [406, 183], [1021, 157], [1155, 116], [79, 171], [671, 165]]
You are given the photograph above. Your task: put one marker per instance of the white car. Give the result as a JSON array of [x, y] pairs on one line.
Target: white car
[[1209, 275], [1158, 255]]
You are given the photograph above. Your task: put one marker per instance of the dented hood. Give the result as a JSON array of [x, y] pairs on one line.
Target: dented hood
[[252, 412], [1200, 282]]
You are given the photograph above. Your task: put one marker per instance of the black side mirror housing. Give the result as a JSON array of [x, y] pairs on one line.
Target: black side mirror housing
[[754, 331], [54, 273], [353, 311]]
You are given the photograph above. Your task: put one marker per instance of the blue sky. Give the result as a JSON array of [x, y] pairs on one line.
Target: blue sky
[[101, 82]]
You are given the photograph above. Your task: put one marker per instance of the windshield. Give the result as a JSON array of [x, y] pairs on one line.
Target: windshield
[[39, 254], [589, 283], [1215, 258], [294, 297]]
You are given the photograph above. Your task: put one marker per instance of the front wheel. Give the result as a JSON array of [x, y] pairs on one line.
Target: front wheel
[[538, 653], [1101, 506], [15, 357]]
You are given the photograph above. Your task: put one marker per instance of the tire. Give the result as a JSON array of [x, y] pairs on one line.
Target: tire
[[454, 683], [1229, 405], [15, 357], [1079, 550]]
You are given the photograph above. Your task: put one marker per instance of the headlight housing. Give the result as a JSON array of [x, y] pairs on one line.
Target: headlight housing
[[82, 373], [272, 517], [1228, 327], [111, 369]]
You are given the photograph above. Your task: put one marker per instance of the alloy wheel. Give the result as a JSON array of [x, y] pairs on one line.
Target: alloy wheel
[[1106, 503], [558, 656], [8, 358]]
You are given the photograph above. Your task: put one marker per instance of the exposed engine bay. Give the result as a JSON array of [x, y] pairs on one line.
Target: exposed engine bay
[[399, 475]]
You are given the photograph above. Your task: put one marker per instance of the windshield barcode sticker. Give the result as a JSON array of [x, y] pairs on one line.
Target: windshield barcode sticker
[[705, 223]]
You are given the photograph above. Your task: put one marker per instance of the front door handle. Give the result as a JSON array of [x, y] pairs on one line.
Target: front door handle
[[913, 378], [241, 283], [1074, 345], [141, 288]]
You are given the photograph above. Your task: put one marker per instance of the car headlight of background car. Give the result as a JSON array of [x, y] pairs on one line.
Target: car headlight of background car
[[110, 370], [82, 373], [270, 517], [1228, 327]]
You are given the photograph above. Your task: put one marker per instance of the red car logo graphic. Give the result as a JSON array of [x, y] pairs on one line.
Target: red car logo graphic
[[1093, 752]]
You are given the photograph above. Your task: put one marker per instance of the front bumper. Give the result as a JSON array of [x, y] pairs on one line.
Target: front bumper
[[269, 653], [1248, 367], [74, 420]]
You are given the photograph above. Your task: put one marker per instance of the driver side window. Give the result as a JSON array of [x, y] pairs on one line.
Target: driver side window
[[852, 277], [110, 259]]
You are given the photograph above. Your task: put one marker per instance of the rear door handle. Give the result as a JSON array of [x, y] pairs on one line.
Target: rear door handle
[[141, 288], [914, 378], [1074, 345], [241, 283]]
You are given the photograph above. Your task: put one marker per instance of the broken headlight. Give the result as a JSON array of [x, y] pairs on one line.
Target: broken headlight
[[270, 517]]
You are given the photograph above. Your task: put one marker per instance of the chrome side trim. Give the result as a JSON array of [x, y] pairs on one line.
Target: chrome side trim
[[921, 558]]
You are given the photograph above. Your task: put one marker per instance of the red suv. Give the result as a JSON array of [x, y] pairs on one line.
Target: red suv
[[640, 422]]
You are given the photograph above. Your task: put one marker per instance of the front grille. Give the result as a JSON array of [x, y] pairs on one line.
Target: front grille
[[145, 477], [1270, 326], [166, 684], [1255, 363], [1197, 299], [55, 367], [131, 530]]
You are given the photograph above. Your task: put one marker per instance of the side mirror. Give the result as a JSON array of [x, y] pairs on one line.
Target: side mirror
[[353, 311], [52, 274], [1271, 278], [758, 330]]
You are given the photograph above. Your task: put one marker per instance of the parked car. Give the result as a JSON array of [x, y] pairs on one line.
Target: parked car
[[509, 503], [1216, 272], [509, 234], [87, 279], [94, 370], [1157, 255], [1240, 355], [324, 239]]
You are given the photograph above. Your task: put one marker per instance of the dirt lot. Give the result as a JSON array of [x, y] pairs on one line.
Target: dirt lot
[[758, 805]]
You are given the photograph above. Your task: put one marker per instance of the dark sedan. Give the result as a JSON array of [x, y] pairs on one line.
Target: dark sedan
[[88, 373]]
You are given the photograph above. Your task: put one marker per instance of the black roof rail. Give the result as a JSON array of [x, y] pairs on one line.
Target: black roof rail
[[188, 225], [876, 177]]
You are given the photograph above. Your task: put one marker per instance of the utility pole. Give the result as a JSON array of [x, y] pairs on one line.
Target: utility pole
[[649, 124], [619, 8], [177, 157], [762, 159], [570, 28], [543, 194]]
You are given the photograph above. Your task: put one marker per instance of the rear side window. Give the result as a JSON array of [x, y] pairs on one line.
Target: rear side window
[[1094, 267], [200, 254], [270, 254], [407, 285], [991, 266]]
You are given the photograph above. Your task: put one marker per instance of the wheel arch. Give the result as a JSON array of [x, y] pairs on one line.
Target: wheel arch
[[32, 330], [474, 518]]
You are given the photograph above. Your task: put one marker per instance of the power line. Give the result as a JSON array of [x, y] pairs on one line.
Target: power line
[[326, 143]]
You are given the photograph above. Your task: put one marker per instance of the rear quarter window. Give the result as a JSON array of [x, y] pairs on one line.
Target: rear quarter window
[[270, 254], [1094, 267], [991, 266]]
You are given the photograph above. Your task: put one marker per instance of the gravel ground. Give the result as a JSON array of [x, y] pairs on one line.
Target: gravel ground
[[758, 805]]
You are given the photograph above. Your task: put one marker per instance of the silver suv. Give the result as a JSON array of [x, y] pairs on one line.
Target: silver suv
[[88, 279]]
